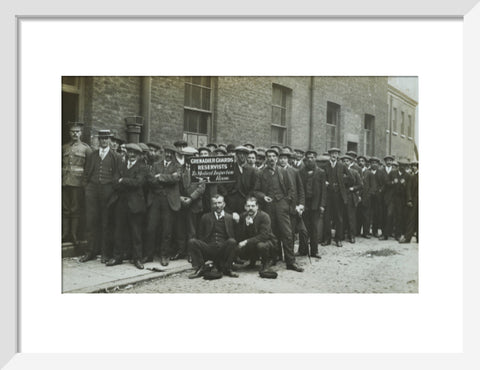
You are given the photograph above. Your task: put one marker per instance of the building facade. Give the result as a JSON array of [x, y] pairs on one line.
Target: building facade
[[364, 114]]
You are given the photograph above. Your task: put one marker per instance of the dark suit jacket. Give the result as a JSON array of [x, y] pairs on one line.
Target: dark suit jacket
[[90, 164], [244, 182], [368, 186], [298, 189], [262, 230], [130, 188], [207, 226], [341, 171], [356, 183], [412, 189], [261, 187], [319, 198], [192, 190], [165, 183], [389, 185]]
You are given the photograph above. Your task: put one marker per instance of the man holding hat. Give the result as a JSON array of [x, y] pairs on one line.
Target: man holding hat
[[163, 203], [335, 173], [274, 187], [74, 155], [315, 189], [101, 173], [129, 206]]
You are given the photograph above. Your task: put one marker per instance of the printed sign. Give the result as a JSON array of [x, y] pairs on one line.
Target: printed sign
[[213, 169]]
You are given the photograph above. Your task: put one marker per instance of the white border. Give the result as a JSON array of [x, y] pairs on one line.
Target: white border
[[8, 341]]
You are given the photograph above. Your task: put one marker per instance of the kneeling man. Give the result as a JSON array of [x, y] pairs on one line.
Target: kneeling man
[[216, 241], [255, 232]]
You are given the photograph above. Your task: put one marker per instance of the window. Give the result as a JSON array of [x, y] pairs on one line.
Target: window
[[394, 120], [409, 132], [280, 114], [402, 127], [197, 110], [352, 146], [369, 126], [333, 121]]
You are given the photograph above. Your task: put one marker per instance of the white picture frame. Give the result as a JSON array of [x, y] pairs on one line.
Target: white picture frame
[[13, 12]]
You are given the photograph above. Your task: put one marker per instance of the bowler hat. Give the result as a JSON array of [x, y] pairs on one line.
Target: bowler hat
[[268, 274], [180, 143], [212, 275]]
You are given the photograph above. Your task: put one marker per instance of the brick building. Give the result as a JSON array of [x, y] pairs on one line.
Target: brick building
[[365, 114]]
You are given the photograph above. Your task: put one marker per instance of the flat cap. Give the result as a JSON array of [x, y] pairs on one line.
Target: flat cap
[[346, 157], [311, 151], [272, 150], [231, 148], [374, 159], [299, 151], [144, 147], [351, 153], [75, 124], [388, 157], [134, 147], [154, 145], [250, 145], [242, 149], [362, 156], [287, 152], [220, 149], [333, 150], [204, 148], [212, 144], [170, 148]]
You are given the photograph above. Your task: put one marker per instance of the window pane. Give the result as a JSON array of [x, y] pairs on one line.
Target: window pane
[[188, 93], [276, 115], [204, 120], [196, 91], [277, 96], [331, 136], [283, 117], [278, 135], [205, 99]]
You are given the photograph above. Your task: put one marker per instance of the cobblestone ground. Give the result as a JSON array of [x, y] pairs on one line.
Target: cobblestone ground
[[368, 266]]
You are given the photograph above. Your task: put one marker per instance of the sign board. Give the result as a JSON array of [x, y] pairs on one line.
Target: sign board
[[213, 169]]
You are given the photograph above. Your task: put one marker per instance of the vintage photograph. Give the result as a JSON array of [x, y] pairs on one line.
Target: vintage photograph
[[239, 184]]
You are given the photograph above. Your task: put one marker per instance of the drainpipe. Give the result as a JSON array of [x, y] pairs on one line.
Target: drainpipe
[[146, 111], [311, 115]]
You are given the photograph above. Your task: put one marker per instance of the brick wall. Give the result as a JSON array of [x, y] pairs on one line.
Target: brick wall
[[242, 109]]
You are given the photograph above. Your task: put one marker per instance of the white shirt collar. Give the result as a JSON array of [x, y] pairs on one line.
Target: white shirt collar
[[222, 214]]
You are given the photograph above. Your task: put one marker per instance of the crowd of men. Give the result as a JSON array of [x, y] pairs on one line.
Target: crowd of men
[[141, 202]]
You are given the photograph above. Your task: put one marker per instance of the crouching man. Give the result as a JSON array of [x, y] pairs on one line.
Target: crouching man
[[216, 241], [255, 232]]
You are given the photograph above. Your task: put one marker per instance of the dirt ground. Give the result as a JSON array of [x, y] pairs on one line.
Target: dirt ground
[[368, 266]]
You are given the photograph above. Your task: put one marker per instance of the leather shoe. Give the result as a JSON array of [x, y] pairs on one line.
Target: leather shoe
[[366, 236], [230, 273], [326, 242], [294, 267], [103, 260], [87, 257], [138, 264], [339, 244], [316, 256], [403, 241], [196, 274], [147, 259], [113, 262], [164, 261]]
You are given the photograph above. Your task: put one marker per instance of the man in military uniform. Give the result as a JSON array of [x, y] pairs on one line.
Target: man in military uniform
[[101, 173], [73, 163]]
